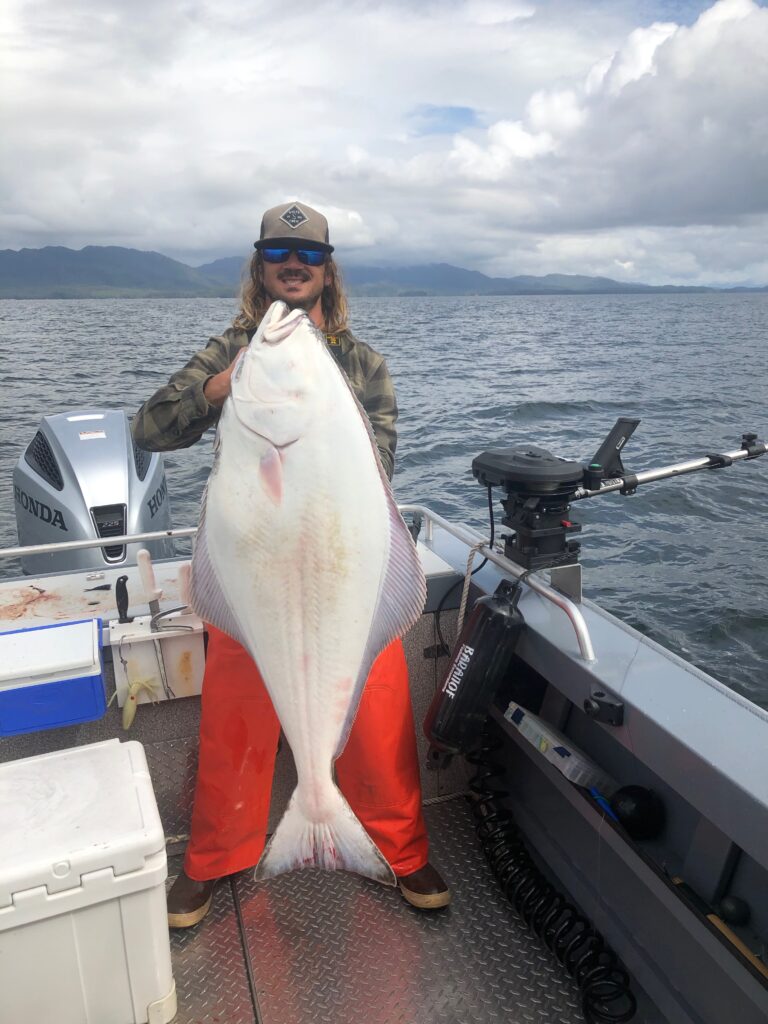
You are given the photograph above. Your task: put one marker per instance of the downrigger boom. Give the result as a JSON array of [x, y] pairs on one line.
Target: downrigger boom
[[540, 488]]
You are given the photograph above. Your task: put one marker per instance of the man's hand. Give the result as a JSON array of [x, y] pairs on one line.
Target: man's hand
[[217, 388]]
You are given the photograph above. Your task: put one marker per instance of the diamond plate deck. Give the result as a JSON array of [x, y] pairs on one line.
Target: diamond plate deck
[[173, 767], [337, 948], [209, 964]]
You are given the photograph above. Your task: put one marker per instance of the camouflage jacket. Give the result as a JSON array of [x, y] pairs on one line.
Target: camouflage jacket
[[178, 414]]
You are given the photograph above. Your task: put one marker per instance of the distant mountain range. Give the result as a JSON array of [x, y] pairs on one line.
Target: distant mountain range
[[55, 272], [95, 271]]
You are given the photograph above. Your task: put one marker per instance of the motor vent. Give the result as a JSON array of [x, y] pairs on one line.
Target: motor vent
[[41, 458], [141, 459], [109, 521]]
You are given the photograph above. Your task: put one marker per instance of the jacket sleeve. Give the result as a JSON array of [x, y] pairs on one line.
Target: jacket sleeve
[[381, 406], [178, 415]]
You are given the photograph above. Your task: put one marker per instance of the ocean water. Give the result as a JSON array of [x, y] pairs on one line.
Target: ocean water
[[682, 560]]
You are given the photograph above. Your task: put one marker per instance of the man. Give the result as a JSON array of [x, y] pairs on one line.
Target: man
[[239, 731]]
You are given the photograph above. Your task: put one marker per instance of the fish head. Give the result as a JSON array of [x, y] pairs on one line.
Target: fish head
[[276, 382]]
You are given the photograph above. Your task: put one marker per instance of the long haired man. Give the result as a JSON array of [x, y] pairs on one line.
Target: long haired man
[[378, 770]]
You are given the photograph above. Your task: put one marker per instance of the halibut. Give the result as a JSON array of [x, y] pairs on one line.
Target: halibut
[[302, 556]]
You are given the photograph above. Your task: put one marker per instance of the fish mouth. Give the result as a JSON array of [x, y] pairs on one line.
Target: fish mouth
[[283, 323]]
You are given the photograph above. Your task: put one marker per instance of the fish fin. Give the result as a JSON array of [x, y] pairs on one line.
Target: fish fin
[[204, 593], [402, 595], [340, 843], [403, 589]]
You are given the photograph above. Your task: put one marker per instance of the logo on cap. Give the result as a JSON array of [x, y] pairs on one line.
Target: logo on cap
[[294, 216]]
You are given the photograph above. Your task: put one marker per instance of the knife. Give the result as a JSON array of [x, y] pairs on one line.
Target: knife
[[152, 593], [121, 595]]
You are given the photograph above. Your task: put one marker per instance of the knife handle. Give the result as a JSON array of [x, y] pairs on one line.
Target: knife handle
[[147, 575], [121, 596]]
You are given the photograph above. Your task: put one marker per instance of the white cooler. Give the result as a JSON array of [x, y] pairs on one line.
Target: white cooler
[[83, 921]]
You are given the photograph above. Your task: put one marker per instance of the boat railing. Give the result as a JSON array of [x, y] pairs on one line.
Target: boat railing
[[430, 519], [472, 539], [98, 542]]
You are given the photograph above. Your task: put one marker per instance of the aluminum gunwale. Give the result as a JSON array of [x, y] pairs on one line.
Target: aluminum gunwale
[[462, 533]]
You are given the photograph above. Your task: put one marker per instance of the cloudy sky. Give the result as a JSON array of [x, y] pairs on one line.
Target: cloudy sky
[[620, 137]]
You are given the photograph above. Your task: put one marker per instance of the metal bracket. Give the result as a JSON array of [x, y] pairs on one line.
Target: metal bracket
[[438, 760], [567, 579], [415, 527], [603, 707]]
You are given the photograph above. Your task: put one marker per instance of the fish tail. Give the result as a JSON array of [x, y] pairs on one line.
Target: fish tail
[[338, 843]]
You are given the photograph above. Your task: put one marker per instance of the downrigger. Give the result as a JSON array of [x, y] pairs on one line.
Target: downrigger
[[538, 489]]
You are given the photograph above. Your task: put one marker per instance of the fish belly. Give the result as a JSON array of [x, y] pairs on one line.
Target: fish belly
[[302, 564]]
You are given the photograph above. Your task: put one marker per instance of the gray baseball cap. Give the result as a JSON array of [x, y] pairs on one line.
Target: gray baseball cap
[[294, 223]]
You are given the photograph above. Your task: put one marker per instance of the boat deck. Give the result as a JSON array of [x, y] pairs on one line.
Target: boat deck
[[311, 947]]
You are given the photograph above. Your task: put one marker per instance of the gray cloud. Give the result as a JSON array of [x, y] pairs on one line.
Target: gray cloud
[[625, 138]]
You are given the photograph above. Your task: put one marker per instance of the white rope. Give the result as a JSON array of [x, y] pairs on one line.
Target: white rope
[[465, 592]]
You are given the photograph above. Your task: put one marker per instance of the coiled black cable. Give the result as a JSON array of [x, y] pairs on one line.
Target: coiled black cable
[[602, 980]]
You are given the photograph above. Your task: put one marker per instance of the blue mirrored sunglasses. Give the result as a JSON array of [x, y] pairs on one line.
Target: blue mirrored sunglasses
[[309, 257]]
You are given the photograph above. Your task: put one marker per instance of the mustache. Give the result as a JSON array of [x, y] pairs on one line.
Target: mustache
[[293, 272]]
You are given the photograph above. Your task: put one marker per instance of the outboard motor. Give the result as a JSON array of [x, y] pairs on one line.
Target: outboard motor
[[82, 477]]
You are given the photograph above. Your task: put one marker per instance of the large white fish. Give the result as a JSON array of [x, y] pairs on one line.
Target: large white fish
[[303, 557]]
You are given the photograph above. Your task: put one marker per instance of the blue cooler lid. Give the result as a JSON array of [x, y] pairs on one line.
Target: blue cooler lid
[[50, 653]]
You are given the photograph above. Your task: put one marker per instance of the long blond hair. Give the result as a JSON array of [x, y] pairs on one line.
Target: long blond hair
[[254, 301]]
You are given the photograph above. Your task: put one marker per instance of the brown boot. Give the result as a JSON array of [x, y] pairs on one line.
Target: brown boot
[[189, 901], [425, 889]]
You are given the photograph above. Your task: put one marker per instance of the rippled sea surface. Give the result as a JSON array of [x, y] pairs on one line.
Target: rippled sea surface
[[683, 560]]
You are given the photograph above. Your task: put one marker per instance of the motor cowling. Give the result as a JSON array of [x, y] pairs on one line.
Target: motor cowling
[[82, 477], [479, 666]]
